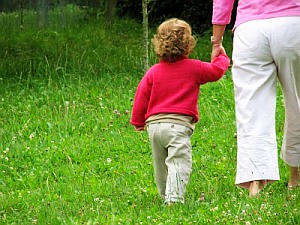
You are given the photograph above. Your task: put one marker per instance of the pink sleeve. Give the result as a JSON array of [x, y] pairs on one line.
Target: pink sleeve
[[222, 11], [141, 101], [215, 70]]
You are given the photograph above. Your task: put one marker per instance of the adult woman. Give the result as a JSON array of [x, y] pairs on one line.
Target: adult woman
[[266, 47]]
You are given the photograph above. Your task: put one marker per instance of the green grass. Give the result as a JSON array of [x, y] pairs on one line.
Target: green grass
[[68, 154]]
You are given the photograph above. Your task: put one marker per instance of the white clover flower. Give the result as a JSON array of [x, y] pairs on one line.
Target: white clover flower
[[108, 160], [248, 223], [6, 150], [293, 196], [31, 136], [117, 113], [214, 209]]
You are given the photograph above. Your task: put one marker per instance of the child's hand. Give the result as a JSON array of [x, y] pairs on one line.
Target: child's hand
[[222, 50], [139, 128], [217, 50]]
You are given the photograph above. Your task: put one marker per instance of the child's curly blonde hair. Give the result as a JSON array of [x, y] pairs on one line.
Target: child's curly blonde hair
[[173, 40]]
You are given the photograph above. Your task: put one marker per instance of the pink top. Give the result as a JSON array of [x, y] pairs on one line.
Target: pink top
[[174, 87], [253, 10]]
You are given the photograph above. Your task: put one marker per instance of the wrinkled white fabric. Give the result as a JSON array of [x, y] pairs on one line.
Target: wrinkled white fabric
[[263, 51]]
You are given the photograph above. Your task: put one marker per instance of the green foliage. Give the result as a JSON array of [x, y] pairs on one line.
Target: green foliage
[[68, 154], [197, 13], [82, 49]]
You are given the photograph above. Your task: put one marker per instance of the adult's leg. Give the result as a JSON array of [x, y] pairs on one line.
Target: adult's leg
[[294, 177], [286, 50], [255, 79]]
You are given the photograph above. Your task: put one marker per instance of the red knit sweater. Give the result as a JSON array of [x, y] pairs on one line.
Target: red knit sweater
[[174, 87]]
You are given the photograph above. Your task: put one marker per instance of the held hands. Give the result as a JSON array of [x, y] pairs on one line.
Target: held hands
[[217, 49]]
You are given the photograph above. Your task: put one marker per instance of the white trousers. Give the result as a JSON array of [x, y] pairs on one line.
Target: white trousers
[[172, 159], [264, 51]]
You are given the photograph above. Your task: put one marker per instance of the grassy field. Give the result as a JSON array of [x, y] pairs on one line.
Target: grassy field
[[68, 154]]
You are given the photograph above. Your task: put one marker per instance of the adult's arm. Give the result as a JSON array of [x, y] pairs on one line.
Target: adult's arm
[[217, 37], [221, 17]]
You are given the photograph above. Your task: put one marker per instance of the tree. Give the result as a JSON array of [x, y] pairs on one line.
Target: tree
[[62, 13], [21, 6], [42, 15], [110, 11], [146, 31]]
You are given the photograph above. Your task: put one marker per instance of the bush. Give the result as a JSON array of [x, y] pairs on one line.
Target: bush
[[198, 14]]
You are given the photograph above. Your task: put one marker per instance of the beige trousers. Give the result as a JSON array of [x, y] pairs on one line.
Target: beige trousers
[[172, 159]]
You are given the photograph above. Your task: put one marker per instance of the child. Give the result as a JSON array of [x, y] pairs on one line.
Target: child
[[166, 101]]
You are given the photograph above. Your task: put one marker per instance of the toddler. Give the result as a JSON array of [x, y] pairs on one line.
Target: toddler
[[166, 102]]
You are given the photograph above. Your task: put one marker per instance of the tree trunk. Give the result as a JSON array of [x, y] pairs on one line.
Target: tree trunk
[[145, 35], [62, 13], [110, 11], [42, 15], [21, 5]]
